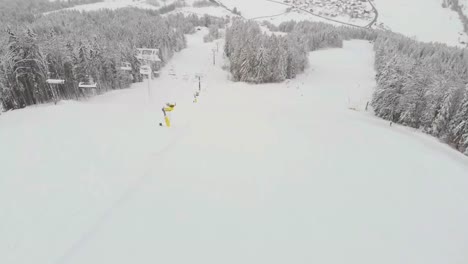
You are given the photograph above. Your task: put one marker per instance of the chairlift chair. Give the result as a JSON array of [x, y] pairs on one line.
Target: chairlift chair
[[148, 55], [88, 87], [126, 66], [146, 70], [54, 83]]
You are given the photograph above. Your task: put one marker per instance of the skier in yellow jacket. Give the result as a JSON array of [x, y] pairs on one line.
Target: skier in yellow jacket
[[167, 109]]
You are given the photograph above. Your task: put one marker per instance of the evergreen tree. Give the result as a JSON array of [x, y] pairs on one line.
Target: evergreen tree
[[413, 102], [459, 125], [263, 75], [81, 69], [440, 125]]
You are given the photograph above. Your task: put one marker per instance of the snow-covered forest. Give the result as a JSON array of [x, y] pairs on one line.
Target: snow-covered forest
[[76, 47], [423, 86], [261, 58]]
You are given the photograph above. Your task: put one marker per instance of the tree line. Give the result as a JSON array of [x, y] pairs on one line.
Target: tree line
[[26, 11], [76, 46], [260, 58], [421, 85]]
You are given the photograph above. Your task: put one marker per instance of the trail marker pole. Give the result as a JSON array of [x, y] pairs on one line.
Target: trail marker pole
[[214, 56], [149, 90], [199, 83]]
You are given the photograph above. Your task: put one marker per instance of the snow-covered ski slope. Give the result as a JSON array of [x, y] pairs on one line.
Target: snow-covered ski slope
[[424, 20], [274, 173]]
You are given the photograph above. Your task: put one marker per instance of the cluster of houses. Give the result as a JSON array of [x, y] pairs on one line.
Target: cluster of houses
[[355, 9]]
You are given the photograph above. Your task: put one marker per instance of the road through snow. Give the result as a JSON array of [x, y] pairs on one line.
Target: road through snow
[[273, 173]]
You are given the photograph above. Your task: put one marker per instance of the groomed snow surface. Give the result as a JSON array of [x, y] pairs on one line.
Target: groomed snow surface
[[425, 20], [274, 173]]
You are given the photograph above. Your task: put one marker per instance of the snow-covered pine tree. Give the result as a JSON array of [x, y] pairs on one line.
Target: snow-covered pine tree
[[434, 95], [297, 59], [81, 69], [257, 57], [26, 68], [458, 127], [388, 94], [440, 125], [414, 101], [277, 62], [97, 64], [262, 73]]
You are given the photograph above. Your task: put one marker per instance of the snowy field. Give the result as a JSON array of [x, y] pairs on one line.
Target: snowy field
[[255, 8], [201, 11], [112, 5], [425, 20], [274, 173], [187, 10]]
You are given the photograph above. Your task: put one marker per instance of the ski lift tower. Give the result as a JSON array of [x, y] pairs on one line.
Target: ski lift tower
[[146, 70], [54, 83], [149, 58]]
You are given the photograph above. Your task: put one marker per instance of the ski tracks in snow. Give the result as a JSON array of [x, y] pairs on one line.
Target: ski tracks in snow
[[126, 196]]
